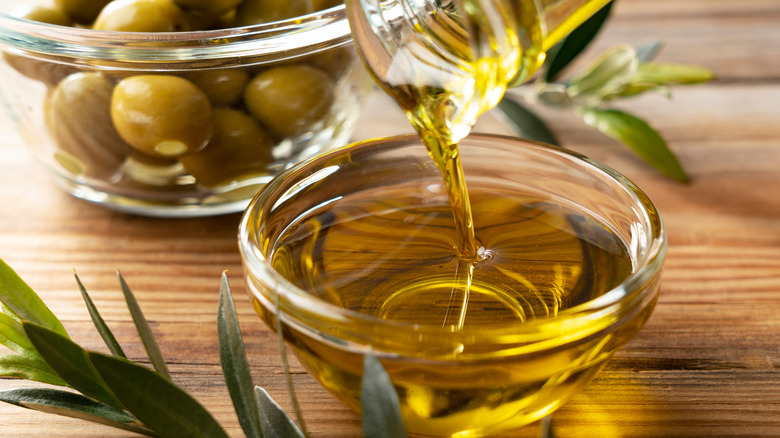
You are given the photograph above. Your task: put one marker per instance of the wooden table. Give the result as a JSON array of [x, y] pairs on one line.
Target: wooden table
[[706, 364]]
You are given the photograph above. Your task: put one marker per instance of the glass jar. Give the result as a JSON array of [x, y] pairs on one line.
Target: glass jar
[[60, 86], [453, 379]]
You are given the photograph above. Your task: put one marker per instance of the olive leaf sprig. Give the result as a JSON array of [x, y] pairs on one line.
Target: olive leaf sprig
[[620, 72], [113, 390]]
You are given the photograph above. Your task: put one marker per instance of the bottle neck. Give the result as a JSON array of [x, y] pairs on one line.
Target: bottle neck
[[447, 61]]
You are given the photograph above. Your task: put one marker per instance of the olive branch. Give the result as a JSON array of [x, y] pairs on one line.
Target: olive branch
[[619, 73], [115, 391]]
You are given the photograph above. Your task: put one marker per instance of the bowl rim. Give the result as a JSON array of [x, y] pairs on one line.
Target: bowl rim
[[284, 39], [627, 294]]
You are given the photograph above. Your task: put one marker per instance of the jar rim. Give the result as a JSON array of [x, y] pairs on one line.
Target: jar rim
[[628, 293], [272, 41]]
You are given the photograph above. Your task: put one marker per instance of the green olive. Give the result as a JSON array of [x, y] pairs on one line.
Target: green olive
[[289, 99], [239, 148], [336, 62], [43, 14], [211, 8], [79, 120], [82, 11], [163, 116], [47, 72], [224, 86], [141, 16], [266, 11]]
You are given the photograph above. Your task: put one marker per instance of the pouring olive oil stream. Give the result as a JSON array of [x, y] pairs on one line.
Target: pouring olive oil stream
[[445, 63], [433, 255]]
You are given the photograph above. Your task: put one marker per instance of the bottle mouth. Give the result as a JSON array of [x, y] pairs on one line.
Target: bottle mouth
[[592, 318], [259, 43]]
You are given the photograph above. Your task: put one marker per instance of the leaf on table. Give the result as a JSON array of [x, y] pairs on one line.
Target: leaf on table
[[234, 365], [70, 361], [637, 135], [274, 421], [381, 412], [69, 404], [563, 53], [144, 331], [527, 124], [156, 401], [12, 335], [19, 298], [29, 367], [607, 75], [100, 324]]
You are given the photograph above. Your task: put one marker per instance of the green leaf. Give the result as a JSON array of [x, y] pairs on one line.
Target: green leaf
[[527, 124], [672, 74], [18, 297], [648, 52], [68, 404], [29, 368], [606, 75], [381, 412], [274, 420], [70, 361], [156, 401], [234, 364], [563, 53], [100, 324], [12, 335], [147, 337], [637, 135]]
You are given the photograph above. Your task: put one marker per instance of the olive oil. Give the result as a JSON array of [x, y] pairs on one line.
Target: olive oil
[[388, 253]]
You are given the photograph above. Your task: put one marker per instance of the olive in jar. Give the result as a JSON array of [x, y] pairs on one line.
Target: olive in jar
[[163, 116], [288, 100], [78, 117], [141, 16], [82, 11], [239, 148]]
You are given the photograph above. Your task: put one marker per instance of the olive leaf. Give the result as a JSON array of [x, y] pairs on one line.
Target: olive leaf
[[563, 53], [647, 52], [98, 321], [234, 364], [144, 331], [69, 360], [156, 401], [68, 404], [381, 412], [20, 299], [275, 421], [672, 74], [637, 135], [527, 124], [607, 75], [29, 367], [12, 335]]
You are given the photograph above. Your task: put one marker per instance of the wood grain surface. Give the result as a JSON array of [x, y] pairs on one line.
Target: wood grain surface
[[707, 363]]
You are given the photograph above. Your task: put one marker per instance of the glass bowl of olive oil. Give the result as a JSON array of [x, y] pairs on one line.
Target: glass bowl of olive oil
[[178, 107], [356, 251]]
